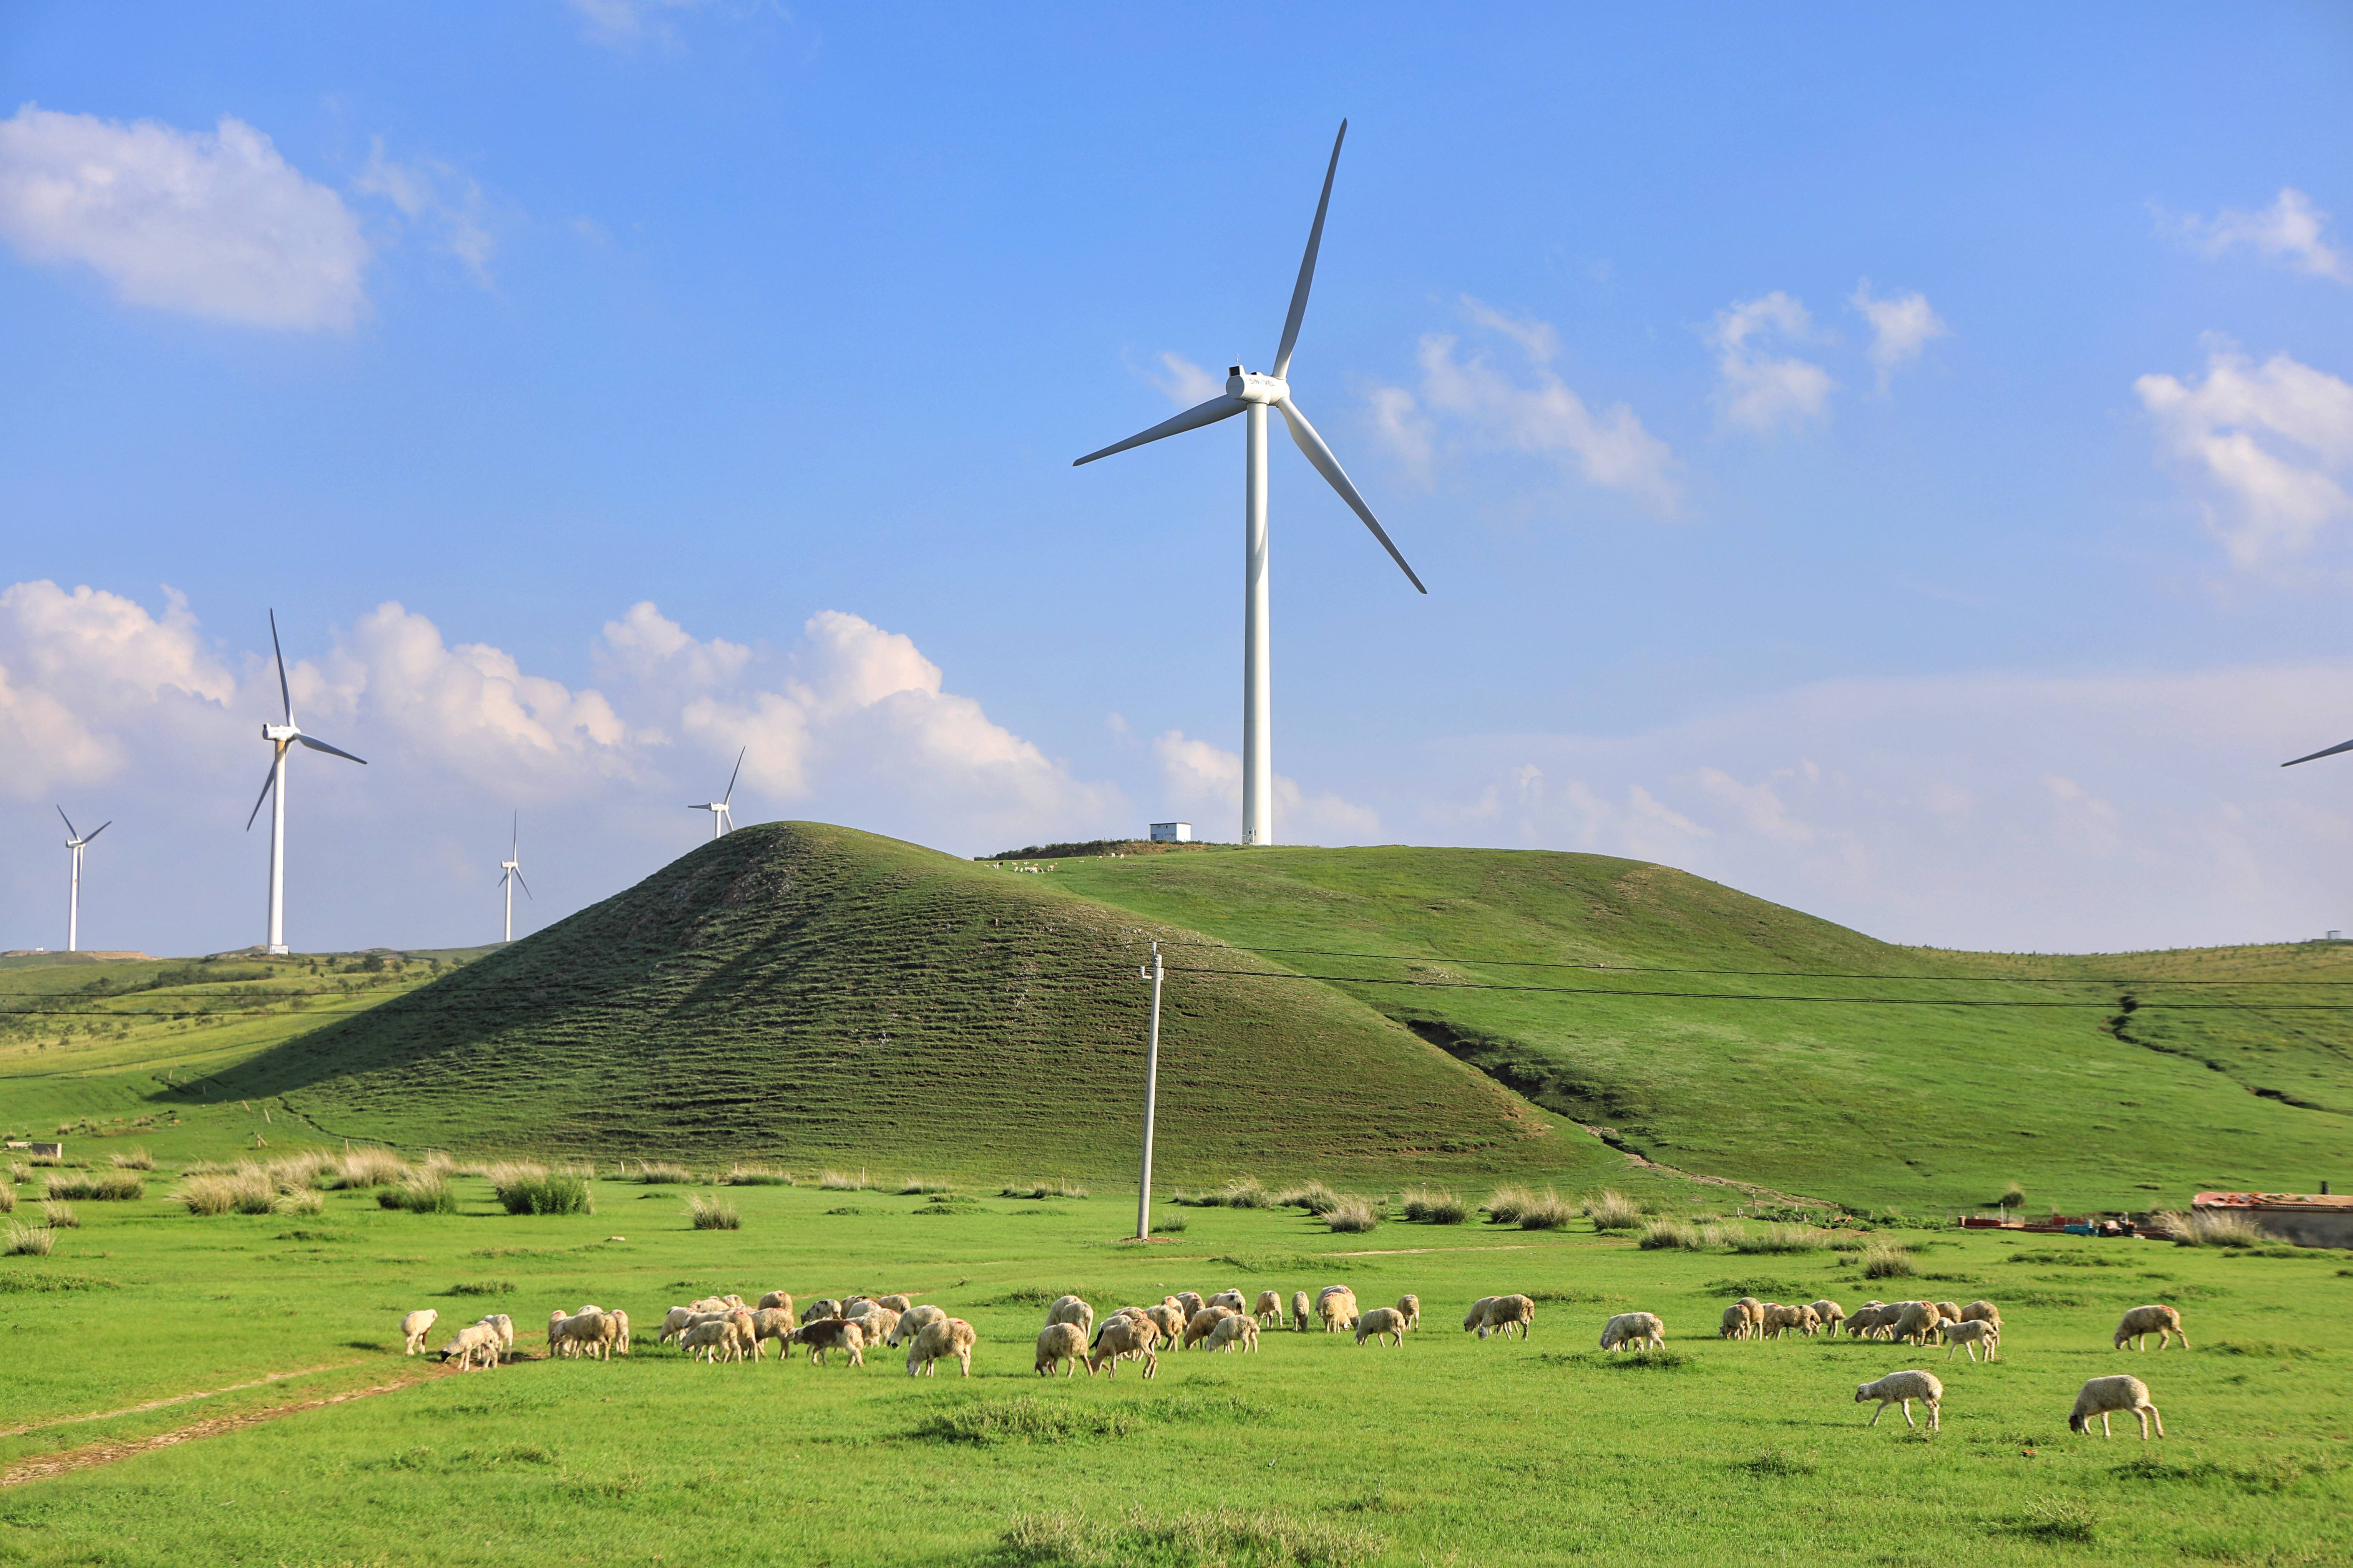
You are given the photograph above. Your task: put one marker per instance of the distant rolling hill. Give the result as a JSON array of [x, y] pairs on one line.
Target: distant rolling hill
[[817, 995]]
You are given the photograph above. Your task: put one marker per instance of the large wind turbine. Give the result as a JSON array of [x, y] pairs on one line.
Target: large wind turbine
[[273, 789], [76, 841], [721, 821], [512, 867], [2331, 752], [1250, 392]]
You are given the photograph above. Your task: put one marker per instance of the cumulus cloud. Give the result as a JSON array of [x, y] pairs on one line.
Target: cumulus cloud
[[2288, 231], [209, 223], [447, 204], [1760, 392], [2270, 446], [1206, 780], [1901, 326], [1465, 400]]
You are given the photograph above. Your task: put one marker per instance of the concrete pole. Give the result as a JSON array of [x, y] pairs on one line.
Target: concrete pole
[[1258, 679], [1151, 1097]]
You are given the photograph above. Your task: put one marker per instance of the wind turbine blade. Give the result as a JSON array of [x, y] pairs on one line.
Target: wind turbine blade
[[524, 885], [1329, 467], [71, 832], [318, 745], [731, 777], [1307, 267], [1193, 418], [265, 785], [2332, 750], [514, 835], [98, 829], [285, 693]]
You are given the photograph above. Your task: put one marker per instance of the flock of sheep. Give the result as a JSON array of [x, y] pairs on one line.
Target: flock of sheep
[[726, 1329]]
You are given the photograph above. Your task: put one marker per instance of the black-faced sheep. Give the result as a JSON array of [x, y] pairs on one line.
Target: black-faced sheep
[[2102, 1397], [1903, 1388]]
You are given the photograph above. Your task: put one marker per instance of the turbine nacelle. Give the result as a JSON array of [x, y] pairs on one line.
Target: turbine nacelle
[[1256, 387], [281, 734]]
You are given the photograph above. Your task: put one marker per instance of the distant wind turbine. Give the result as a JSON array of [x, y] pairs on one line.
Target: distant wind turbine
[[1250, 392], [76, 841], [2331, 752], [273, 789], [721, 821], [512, 867]]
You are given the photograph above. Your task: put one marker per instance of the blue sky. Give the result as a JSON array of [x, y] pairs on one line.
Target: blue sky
[[1894, 463]]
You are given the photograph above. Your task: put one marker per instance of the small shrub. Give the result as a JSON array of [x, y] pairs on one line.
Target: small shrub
[[2013, 1196], [1353, 1216], [922, 1185], [712, 1214], [661, 1174], [420, 1192], [757, 1176], [98, 1186], [842, 1182], [527, 1189], [1658, 1233], [1313, 1197], [19, 1172], [1611, 1210], [1883, 1260], [59, 1216], [481, 1287], [134, 1160], [1504, 1203], [1661, 1360], [2211, 1227], [23, 1241]]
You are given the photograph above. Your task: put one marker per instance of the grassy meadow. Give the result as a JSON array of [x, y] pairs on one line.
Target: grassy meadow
[[145, 1321]]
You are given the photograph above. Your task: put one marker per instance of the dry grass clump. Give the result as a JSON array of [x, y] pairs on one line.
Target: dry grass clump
[[1669, 1234], [19, 1172], [97, 1186], [1550, 1212], [300, 1201], [24, 1240], [1777, 1238], [659, 1174], [1057, 1188], [60, 1216], [757, 1176], [8, 1198], [1433, 1206], [422, 1191], [1885, 1260], [134, 1160], [524, 1187], [1313, 1197], [1612, 1210], [712, 1214], [1504, 1203], [362, 1168], [917, 1186], [843, 1182], [1352, 1216], [2211, 1227]]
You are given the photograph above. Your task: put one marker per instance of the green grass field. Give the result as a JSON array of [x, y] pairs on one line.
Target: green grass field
[[1312, 1451]]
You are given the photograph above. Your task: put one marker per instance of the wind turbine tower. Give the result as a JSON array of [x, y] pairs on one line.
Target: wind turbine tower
[[282, 737], [1251, 392], [512, 867], [721, 821], [77, 842]]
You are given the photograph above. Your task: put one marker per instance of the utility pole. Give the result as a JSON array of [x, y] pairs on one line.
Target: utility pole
[[1151, 1094]]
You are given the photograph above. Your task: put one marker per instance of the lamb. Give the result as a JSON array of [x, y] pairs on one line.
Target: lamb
[[1270, 1308], [1064, 1344], [829, 1334], [2143, 1321], [1475, 1319], [1239, 1330], [1970, 1335], [708, 1338], [1121, 1336], [502, 1326], [1072, 1309], [1233, 1299], [1982, 1313], [1630, 1328], [475, 1340], [1336, 1305], [911, 1322], [776, 1299], [674, 1323], [1829, 1314], [1382, 1323], [1505, 1313], [1299, 1312], [1411, 1305], [2102, 1397], [1205, 1324], [414, 1327], [1903, 1388], [940, 1337]]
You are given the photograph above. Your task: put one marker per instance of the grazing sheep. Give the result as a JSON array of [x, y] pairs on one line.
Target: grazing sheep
[[776, 1323], [1948, 1310], [1903, 1388], [1969, 1336], [1982, 1313], [1300, 1310], [2143, 1321], [1205, 1324], [1736, 1322], [708, 1339], [414, 1327], [1123, 1336], [674, 1323], [911, 1322], [1505, 1313], [1475, 1319], [1874, 1319], [1169, 1318], [776, 1299], [1192, 1302], [827, 1334], [585, 1334], [1382, 1321], [1411, 1305], [1072, 1309], [825, 1307], [1916, 1321], [1269, 1310], [1239, 1330], [501, 1325], [1630, 1327], [2102, 1397], [474, 1341], [897, 1301], [1336, 1305], [1063, 1345], [1233, 1299], [877, 1323], [1829, 1314], [940, 1337], [620, 1329], [1780, 1320]]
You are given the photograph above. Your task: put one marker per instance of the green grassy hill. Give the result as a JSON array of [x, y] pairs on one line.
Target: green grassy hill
[[813, 993]]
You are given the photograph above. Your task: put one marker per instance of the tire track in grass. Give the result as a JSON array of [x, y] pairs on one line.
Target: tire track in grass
[[175, 1399], [91, 1454]]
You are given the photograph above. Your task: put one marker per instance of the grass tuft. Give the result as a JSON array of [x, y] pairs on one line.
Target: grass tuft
[[1172, 1224], [661, 1174], [97, 1186], [842, 1182], [1316, 1197], [420, 1192], [24, 1241], [1777, 1462], [712, 1214], [1354, 1216], [1778, 1238], [1432, 1206], [304, 1202], [1504, 1203], [1885, 1260], [481, 1287], [2209, 1227], [1612, 1210], [2059, 1518], [361, 1168], [1670, 1234], [757, 1176], [913, 1186], [134, 1160], [59, 1216], [1225, 1536], [8, 1198], [1550, 1212], [524, 1188], [1057, 1188]]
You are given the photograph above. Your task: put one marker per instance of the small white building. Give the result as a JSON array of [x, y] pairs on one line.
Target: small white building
[[1172, 833]]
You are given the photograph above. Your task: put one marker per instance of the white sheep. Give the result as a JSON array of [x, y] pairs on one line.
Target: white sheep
[[1736, 1322], [1062, 1344], [1780, 1319], [621, 1329], [709, 1338], [1505, 1313], [1381, 1324], [1982, 1313], [1237, 1331], [473, 1342], [1916, 1321], [1411, 1305], [1300, 1311], [940, 1338], [1336, 1305], [674, 1323], [1903, 1388], [1630, 1328], [912, 1321], [2102, 1397], [2143, 1321], [1829, 1314], [897, 1301], [1205, 1324], [1121, 1336], [501, 1325], [1269, 1310], [1969, 1335], [774, 1300], [776, 1323], [1072, 1309], [1233, 1299], [1192, 1302], [414, 1327]]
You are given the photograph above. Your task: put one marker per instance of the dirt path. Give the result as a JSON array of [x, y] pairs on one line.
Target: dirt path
[[93, 1453], [175, 1399], [1610, 1135]]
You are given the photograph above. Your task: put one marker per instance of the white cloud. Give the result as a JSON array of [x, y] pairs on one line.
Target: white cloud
[[2289, 231], [1182, 382], [2273, 443], [1901, 326], [209, 223], [1206, 780], [1761, 393], [433, 194], [1479, 406], [623, 24]]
